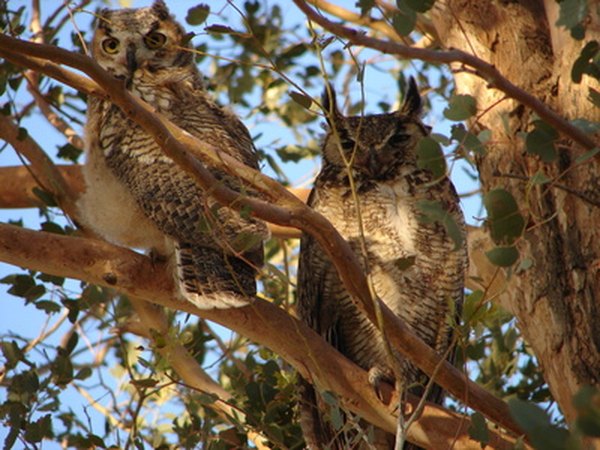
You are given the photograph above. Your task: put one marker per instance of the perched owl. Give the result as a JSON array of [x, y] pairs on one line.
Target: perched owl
[[136, 195], [414, 266]]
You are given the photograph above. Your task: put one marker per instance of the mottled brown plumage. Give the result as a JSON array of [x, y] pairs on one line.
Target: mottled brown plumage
[[413, 265], [136, 195]]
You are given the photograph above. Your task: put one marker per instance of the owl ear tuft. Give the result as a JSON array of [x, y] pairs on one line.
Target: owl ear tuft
[[103, 18], [413, 104], [329, 102], [160, 9]]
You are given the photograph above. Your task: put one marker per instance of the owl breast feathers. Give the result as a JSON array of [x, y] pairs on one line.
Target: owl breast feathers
[[369, 188], [138, 196]]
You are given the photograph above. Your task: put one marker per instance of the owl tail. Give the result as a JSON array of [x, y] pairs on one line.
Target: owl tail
[[209, 278]]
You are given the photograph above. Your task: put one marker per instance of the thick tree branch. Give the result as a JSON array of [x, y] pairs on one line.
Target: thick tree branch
[[483, 69], [101, 263], [281, 208]]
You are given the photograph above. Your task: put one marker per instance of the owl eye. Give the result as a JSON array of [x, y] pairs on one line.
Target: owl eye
[[347, 145], [397, 139], [110, 45], [155, 40]]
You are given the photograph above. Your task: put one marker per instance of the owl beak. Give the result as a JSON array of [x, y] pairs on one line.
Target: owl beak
[[368, 163], [132, 64]]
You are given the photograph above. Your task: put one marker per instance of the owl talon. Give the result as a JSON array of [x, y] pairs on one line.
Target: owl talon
[[377, 378], [156, 257]]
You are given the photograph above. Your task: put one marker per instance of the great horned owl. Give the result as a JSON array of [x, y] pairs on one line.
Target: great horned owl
[[139, 197], [369, 188]]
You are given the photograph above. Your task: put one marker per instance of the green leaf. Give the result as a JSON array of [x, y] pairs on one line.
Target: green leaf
[[539, 178], [431, 157], [572, 12], [365, 6], [12, 353], [537, 425], [22, 134], [405, 19], [587, 155], [420, 6], [51, 227], [144, 383], [62, 369], [541, 142], [504, 218], [301, 98], [587, 403], [83, 373], [72, 343], [587, 62], [38, 430], [198, 14], [594, 97], [473, 309], [434, 211], [69, 151], [467, 139], [503, 256], [46, 197], [478, 429], [220, 29], [460, 107]]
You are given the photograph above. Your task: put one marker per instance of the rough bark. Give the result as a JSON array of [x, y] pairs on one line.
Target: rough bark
[[556, 300]]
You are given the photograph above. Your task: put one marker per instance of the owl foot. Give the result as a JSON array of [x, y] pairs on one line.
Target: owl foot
[[377, 379], [156, 257]]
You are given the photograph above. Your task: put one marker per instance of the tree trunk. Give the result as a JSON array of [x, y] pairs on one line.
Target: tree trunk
[[557, 299]]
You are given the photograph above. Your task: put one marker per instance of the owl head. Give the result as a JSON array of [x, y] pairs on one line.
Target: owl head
[[145, 38], [374, 145]]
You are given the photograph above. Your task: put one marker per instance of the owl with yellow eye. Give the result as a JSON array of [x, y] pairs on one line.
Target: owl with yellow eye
[[136, 195]]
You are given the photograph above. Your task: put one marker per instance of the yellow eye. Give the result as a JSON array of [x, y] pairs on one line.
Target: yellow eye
[[155, 40], [110, 45]]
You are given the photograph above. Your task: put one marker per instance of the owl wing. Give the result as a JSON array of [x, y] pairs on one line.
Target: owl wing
[[217, 248]]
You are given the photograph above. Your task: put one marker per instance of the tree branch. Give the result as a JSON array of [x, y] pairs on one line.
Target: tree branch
[[42, 168], [137, 276], [483, 69], [284, 209]]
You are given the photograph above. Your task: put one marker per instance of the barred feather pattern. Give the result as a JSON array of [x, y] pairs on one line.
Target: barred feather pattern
[[216, 251], [413, 264]]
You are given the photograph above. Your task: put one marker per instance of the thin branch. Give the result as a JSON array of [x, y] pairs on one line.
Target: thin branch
[[483, 69], [138, 276], [276, 205]]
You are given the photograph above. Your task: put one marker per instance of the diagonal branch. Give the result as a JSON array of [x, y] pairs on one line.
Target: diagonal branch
[[137, 276], [485, 70], [276, 205]]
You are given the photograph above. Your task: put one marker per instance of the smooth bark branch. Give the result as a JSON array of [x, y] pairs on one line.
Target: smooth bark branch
[[104, 264], [282, 209], [483, 69]]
